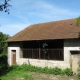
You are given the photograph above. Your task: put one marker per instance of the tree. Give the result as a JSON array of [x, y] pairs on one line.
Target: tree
[[78, 20], [3, 44], [3, 52], [4, 6]]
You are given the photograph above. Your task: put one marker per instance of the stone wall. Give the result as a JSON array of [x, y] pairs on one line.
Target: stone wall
[[72, 53], [43, 63], [13, 46]]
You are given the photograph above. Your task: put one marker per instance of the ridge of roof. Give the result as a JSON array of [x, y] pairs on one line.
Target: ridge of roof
[[51, 21]]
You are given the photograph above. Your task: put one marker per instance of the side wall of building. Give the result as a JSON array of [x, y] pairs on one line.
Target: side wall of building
[[72, 53], [69, 45]]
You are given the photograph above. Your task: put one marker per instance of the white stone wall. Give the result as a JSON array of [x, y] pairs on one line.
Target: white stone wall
[[43, 63], [13, 46], [71, 45]]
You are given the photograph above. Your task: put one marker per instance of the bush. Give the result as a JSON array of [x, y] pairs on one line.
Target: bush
[[56, 70], [78, 70], [3, 64], [46, 70], [68, 71]]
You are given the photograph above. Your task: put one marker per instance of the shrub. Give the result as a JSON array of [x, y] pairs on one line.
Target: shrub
[[78, 70], [3, 64], [57, 71], [68, 71]]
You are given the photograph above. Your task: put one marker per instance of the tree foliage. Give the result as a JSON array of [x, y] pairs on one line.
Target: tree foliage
[[4, 4], [3, 44], [78, 20], [3, 52]]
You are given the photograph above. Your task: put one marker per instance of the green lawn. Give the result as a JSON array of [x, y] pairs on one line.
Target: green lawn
[[28, 72], [16, 75]]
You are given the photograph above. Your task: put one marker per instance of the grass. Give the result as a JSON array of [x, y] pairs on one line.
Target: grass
[[18, 74], [24, 71]]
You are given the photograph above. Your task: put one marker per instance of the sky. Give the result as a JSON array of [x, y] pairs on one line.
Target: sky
[[27, 12]]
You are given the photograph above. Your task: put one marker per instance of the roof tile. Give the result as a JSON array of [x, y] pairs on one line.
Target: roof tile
[[63, 29]]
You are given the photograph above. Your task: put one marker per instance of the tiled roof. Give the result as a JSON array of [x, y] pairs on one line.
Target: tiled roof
[[64, 29]]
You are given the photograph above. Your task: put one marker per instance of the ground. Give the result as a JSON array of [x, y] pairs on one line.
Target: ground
[[42, 76], [38, 76]]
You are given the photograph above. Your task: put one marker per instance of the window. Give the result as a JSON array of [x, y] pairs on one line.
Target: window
[[46, 49], [48, 54]]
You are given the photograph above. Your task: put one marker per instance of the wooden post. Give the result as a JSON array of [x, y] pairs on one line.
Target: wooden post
[[39, 50]]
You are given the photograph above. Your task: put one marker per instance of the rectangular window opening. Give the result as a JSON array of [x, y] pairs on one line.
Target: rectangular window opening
[[47, 54], [35, 50]]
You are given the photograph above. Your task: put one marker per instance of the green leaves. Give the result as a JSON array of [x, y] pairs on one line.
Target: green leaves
[[78, 21], [78, 70], [46, 70], [3, 44], [68, 71], [4, 6], [3, 64]]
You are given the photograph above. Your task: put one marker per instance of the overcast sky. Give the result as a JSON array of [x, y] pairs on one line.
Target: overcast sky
[[26, 12]]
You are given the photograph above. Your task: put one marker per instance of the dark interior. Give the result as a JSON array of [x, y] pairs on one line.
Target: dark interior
[[56, 44], [49, 49]]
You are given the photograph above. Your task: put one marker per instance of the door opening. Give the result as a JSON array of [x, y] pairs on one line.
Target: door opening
[[75, 58], [13, 57]]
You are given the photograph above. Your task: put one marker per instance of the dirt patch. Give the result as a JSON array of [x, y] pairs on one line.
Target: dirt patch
[[42, 76]]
